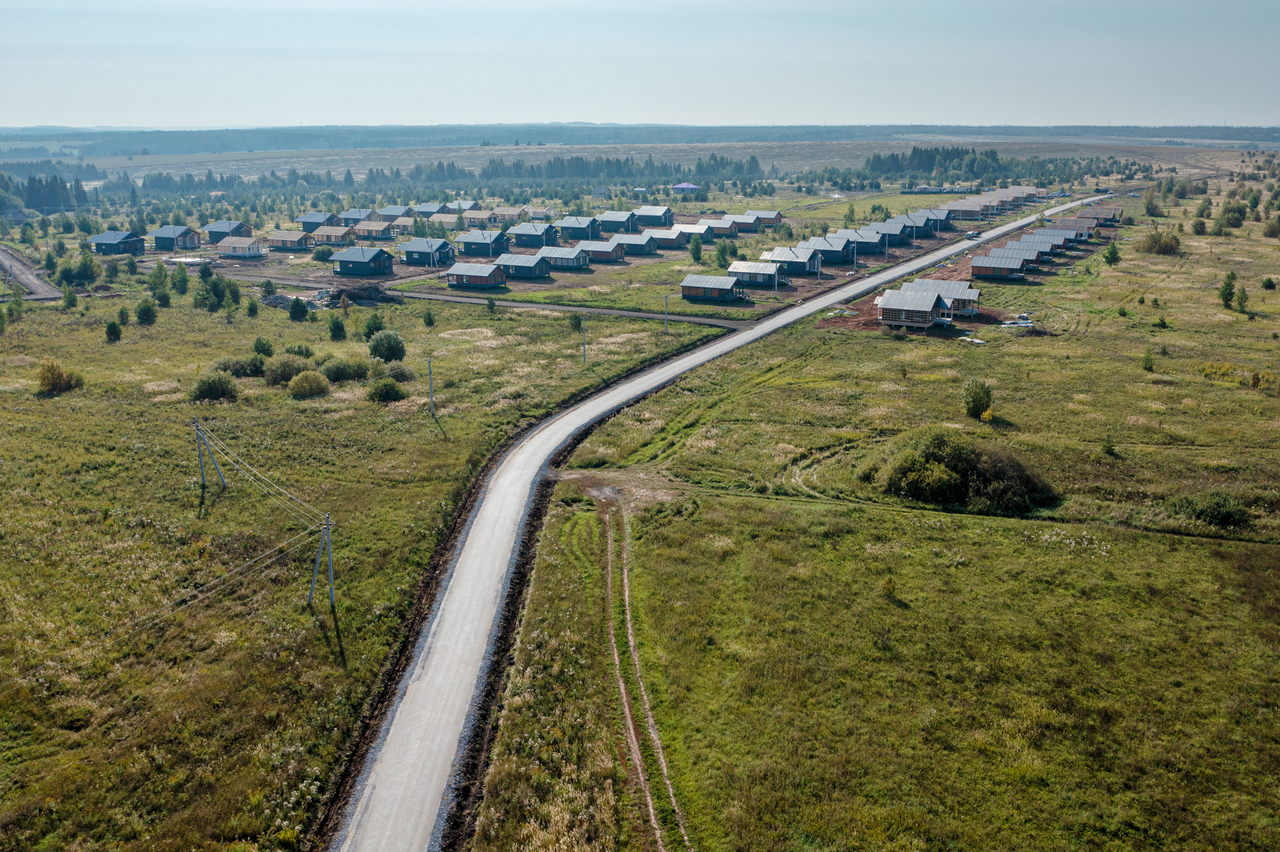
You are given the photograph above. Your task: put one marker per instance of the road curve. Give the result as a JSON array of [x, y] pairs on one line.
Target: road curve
[[36, 286], [406, 786]]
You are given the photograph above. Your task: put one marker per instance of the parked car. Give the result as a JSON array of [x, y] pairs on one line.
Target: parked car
[[972, 235]]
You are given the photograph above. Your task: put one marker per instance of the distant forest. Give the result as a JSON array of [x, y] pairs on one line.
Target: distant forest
[[24, 142]]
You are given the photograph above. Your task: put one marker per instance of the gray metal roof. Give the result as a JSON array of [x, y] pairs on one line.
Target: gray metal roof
[[575, 222], [763, 214], [616, 216], [988, 262], [170, 231], [519, 260], [222, 225], [480, 237], [395, 210], [533, 229], [652, 211], [317, 216], [423, 244], [287, 235], [633, 239], [597, 245], [886, 227], [712, 282], [566, 253], [799, 254], [429, 209], [743, 218], [699, 228], [485, 269], [910, 300], [112, 237], [355, 213], [754, 267], [946, 289], [661, 233], [359, 254], [1055, 232]]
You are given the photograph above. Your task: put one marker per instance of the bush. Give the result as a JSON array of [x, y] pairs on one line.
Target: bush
[[1272, 228], [396, 370], [264, 347], [343, 370], [163, 298], [214, 385], [298, 310], [113, 332], [977, 397], [1268, 284], [52, 379], [373, 325], [283, 368], [307, 384], [241, 368], [386, 390], [1159, 242], [429, 319], [302, 350], [337, 328], [145, 312], [387, 345], [937, 466], [1216, 508], [1198, 227], [322, 254], [252, 308]]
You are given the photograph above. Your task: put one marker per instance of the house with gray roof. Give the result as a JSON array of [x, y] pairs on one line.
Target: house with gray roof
[[600, 251], [667, 238], [617, 222], [524, 265], [996, 267], [713, 288], [756, 273], [174, 237], [636, 243], [655, 217], [486, 243], [958, 297], [566, 258], [424, 252], [363, 260], [918, 309], [475, 275], [356, 215], [795, 261], [117, 242], [532, 234], [579, 228], [317, 219]]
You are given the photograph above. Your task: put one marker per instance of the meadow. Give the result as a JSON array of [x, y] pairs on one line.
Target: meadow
[[836, 666], [223, 724]]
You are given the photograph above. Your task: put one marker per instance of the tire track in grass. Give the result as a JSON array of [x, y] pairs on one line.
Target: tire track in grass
[[633, 744], [635, 659]]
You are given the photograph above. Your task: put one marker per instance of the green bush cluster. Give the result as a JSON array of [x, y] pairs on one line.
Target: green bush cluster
[[344, 370], [386, 345], [241, 368], [52, 378], [302, 350], [1216, 508], [386, 390], [307, 384], [214, 385], [937, 466], [283, 368]]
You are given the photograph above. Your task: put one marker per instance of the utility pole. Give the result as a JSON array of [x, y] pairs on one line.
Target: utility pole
[[584, 343], [431, 390], [664, 313], [202, 444], [326, 545]]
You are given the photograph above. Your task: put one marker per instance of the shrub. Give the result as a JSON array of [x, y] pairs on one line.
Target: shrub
[[307, 384], [241, 368], [938, 466], [1123, 311], [397, 370], [268, 287], [575, 322], [1148, 363], [252, 308], [386, 390], [68, 298], [298, 310], [429, 319], [122, 316], [1272, 228], [1198, 227], [977, 397], [490, 305], [343, 370], [145, 312], [1216, 508], [282, 368], [337, 328], [1159, 242], [1112, 254], [387, 345], [373, 325], [163, 298], [322, 254], [302, 350], [695, 248], [264, 347], [52, 379], [214, 385], [1227, 290], [113, 332]]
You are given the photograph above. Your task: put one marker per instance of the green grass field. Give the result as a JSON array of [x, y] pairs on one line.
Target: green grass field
[[223, 726], [837, 667]]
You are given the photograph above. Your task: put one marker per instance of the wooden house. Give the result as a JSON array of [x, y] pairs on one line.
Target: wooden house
[[702, 232], [667, 238], [404, 225], [766, 218], [371, 230], [335, 235], [746, 222], [996, 267], [243, 248], [919, 309], [448, 220], [865, 242], [393, 212], [566, 258], [431, 208], [356, 215], [896, 233], [117, 242], [640, 244], [475, 275], [579, 228], [174, 237], [714, 288], [835, 251], [460, 206], [795, 261], [758, 273], [363, 260], [958, 297], [686, 188], [479, 218], [484, 243], [220, 230], [655, 217], [289, 241], [508, 214], [532, 234], [425, 252], [539, 214], [721, 228], [319, 219], [599, 251], [524, 265], [617, 222]]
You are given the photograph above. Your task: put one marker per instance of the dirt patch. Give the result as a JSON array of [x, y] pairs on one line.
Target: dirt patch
[[19, 361], [169, 397], [467, 334], [160, 387]]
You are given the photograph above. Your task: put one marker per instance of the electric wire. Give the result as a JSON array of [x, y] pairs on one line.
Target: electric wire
[[288, 502]]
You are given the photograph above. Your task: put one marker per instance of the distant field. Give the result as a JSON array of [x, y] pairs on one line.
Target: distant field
[[835, 667], [787, 156]]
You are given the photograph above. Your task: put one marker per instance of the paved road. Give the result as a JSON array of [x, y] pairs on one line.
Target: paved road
[[409, 778], [583, 309], [36, 286]]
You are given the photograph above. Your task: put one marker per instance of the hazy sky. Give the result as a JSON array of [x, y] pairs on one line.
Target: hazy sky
[[290, 62]]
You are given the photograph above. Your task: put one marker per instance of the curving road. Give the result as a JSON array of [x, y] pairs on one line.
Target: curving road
[[37, 287], [407, 784]]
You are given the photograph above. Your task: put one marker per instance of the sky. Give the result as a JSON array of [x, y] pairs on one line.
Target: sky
[[234, 63]]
